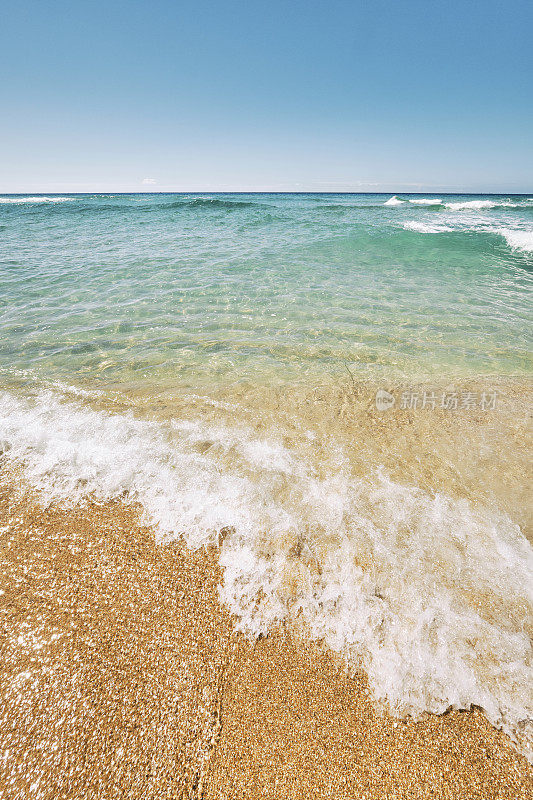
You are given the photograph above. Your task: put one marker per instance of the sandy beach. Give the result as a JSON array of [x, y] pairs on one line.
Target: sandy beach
[[124, 676], [266, 274]]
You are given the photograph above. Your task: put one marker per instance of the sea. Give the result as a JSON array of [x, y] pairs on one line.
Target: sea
[[334, 390]]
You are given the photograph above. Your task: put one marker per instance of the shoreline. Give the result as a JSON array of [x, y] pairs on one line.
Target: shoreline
[[124, 674]]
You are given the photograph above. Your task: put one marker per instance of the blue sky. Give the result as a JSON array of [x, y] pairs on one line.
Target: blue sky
[[382, 95]]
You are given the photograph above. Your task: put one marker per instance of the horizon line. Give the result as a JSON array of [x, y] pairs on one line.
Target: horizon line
[[259, 191]]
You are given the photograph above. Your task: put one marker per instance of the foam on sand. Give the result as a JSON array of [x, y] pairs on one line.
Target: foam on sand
[[429, 594]]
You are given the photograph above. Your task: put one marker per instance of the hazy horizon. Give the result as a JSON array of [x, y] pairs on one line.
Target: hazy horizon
[[385, 193]]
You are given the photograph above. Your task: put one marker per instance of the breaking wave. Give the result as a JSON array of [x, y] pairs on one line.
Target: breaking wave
[[422, 201], [518, 240], [426, 201], [427, 227], [394, 201], [37, 199], [462, 205], [473, 204]]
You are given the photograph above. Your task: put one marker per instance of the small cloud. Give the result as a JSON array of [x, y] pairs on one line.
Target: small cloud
[[149, 181]]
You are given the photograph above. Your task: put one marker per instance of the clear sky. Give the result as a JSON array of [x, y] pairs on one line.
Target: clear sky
[[281, 95]]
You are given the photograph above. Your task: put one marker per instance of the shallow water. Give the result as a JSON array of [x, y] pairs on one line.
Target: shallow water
[[223, 288], [335, 389]]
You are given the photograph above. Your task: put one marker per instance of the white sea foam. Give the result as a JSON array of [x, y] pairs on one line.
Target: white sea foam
[[426, 201], [38, 199], [394, 201], [472, 204], [426, 227], [517, 239], [430, 595]]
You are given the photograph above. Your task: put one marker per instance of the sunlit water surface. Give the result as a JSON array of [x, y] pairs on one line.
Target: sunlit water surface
[[217, 358]]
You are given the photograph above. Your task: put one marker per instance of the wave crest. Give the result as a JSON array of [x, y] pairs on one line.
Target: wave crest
[[37, 199], [394, 201], [518, 240], [212, 202], [473, 204], [426, 201]]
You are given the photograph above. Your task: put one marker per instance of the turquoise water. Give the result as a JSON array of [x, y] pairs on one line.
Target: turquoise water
[[216, 359], [192, 289]]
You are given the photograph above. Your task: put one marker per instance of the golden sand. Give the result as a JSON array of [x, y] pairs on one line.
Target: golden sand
[[123, 677]]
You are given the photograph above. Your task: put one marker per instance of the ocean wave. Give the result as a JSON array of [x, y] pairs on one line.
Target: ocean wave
[[422, 201], [427, 227], [518, 240], [425, 592], [37, 199], [473, 204], [394, 201], [212, 202], [426, 201], [460, 205], [337, 207], [483, 204]]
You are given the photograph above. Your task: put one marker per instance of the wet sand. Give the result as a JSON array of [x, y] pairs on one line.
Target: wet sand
[[123, 676]]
